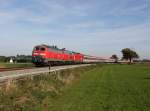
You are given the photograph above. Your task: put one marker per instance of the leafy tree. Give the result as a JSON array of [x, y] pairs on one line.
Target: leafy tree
[[114, 56], [23, 58], [4, 59], [129, 54]]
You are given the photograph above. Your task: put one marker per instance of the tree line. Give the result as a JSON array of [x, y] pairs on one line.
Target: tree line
[[18, 58]]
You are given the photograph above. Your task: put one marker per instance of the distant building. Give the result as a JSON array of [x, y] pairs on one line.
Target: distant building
[[11, 60]]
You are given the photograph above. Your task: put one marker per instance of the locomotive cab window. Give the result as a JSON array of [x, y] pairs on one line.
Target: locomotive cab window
[[37, 48], [42, 49]]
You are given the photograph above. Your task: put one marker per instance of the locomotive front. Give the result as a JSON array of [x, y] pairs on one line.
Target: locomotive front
[[39, 55]]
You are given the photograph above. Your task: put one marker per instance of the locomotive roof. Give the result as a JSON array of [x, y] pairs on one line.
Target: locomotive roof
[[51, 47], [56, 48]]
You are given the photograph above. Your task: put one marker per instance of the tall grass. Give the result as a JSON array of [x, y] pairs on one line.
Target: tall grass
[[34, 93]]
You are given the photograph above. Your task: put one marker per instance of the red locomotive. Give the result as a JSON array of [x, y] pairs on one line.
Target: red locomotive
[[44, 54]]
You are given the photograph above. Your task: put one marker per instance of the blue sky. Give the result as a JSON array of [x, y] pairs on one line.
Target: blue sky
[[96, 27]]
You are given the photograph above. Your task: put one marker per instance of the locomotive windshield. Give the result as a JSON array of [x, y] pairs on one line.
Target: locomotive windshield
[[37, 48], [42, 49]]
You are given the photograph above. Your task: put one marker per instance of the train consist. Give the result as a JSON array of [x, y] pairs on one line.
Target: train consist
[[51, 55]]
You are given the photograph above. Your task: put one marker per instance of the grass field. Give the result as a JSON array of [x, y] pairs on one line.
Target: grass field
[[103, 88], [108, 88], [15, 65]]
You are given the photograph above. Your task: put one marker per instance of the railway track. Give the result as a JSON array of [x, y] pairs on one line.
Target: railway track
[[16, 74]]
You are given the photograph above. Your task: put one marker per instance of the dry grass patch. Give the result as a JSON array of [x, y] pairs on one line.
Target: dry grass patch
[[37, 92]]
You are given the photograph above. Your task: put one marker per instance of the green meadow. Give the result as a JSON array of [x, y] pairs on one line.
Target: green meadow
[[95, 88]]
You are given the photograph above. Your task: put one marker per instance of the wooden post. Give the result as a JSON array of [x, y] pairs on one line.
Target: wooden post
[[49, 64]]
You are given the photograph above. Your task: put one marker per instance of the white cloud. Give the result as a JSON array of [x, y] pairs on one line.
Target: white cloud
[[82, 26]]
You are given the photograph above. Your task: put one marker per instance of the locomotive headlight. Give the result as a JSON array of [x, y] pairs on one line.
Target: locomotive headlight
[[35, 53], [42, 54]]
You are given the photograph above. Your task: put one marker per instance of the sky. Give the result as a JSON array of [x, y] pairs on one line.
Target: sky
[[92, 27]]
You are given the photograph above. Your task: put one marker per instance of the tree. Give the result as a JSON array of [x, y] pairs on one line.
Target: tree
[[4, 59], [23, 58], [114, 56], [129, 54]]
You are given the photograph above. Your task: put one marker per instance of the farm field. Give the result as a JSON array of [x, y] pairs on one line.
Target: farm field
[[101, 88], [15, 65]]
